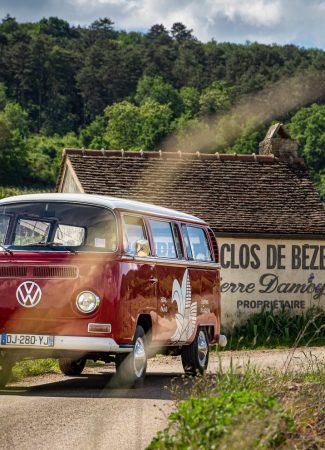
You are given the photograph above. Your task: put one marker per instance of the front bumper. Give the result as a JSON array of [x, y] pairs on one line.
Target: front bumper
[[79, 344]]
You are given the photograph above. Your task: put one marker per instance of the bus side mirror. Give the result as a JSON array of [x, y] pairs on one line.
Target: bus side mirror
[[142, 248]]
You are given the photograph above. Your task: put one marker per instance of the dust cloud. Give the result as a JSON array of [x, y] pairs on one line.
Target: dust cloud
[[220, 130]]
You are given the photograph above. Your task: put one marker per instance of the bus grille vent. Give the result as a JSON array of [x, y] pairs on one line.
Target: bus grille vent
[[55, 272], [13, 271]]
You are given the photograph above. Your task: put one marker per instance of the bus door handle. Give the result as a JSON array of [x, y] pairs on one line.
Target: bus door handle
[[153, 280]]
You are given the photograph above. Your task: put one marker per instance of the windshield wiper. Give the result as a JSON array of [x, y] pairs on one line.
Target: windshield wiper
[[6, 250], [53, 246]]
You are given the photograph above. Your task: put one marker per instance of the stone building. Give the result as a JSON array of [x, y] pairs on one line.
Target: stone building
[[263, 208]]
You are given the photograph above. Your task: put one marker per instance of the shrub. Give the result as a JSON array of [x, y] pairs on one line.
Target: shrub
[[201, 423], [7, 191], [269, 329]]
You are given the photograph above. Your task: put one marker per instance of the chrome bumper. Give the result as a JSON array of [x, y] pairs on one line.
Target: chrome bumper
[[78, 343]]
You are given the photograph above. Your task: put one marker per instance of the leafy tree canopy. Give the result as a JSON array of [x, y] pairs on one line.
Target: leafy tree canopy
[[62, 85]]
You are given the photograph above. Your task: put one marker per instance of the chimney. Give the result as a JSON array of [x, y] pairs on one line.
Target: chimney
[[278, 142]]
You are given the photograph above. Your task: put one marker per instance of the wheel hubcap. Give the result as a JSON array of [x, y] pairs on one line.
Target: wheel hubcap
[[202, 348], [139, 357]]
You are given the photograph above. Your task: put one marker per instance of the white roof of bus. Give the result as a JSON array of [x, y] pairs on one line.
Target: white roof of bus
[[102, 200]]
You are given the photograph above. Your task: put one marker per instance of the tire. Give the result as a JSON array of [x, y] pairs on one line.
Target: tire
[[131, 367], [72, 367], [195, 357], [5, 369]]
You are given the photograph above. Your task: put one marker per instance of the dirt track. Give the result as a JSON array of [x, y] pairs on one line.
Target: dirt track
[[57, 412]]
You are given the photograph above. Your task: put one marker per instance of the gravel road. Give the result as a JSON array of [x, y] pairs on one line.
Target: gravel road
[[86, 412]]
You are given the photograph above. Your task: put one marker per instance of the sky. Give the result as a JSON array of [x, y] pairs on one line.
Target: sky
[[301, 22]]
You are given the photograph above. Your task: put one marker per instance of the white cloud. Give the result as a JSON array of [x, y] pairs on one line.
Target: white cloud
[[282, 21]]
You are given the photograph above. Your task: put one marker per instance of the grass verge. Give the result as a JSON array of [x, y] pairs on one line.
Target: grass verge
[[249, 409], [270, 329], [35, 367]]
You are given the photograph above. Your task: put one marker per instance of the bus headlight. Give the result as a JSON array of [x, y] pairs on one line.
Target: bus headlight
[[87, 302]]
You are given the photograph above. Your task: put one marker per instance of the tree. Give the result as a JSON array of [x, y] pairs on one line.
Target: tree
[[124, 123], [93, 136], [104, 25], [132, 127], [103, 78], [155, 123], [44, 156], [13, 130], [215, 98], [3, 96], [9, 25], [15, 118], [189, 65], [308, 127], [190, 98], [180, 33], [157, 89], [159, 53], [55, 27]]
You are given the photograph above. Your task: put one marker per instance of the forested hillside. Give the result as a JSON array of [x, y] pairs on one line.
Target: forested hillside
[[94, 87]]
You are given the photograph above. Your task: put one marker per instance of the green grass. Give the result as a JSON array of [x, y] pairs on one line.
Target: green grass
[[35, 367], [247, 408], [269, 329], [204, 423]]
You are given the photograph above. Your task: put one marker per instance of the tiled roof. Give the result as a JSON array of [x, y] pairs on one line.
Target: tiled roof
[[233, 193]]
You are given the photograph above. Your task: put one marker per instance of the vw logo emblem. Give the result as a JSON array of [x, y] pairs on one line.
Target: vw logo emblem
[[29, 294]]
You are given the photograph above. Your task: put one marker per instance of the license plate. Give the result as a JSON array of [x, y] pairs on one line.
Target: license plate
[[27, 340]]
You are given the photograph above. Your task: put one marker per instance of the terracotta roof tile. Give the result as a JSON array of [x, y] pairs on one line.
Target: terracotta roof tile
[[234, 193]]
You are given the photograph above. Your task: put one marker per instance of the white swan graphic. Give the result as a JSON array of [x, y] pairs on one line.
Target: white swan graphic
[[187, 311]]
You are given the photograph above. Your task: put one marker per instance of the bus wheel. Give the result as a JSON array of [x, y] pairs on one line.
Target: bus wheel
[[131, 367], [195, 357], [72, 367], [5, 369]]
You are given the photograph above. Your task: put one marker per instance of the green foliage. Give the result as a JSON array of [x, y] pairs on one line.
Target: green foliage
[[44, 156], [124, 125], [15, 118], [155, 123], [134, 127], [94, 135], [3, 96], [57, 79], [269, 328], [202, 423], [157, 89], [308, 127], [248, 138], [36, 367], [9, 191], [215, 98], [190, 98], [13, 129]]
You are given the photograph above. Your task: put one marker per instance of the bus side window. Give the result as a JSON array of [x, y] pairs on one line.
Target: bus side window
[[163, 238], [199, 243], [187, 242], [134, 230]]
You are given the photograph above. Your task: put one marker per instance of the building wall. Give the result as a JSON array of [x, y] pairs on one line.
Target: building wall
[[69, 183], [267, 273]]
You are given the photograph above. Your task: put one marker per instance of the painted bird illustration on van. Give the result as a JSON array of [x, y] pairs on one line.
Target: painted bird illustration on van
[[187, 311]]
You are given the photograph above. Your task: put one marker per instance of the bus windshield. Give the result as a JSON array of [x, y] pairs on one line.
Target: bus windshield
[[58, 225]]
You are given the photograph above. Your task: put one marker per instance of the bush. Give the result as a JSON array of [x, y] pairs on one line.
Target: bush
[[270, 329], [203, 423], [8, 191]]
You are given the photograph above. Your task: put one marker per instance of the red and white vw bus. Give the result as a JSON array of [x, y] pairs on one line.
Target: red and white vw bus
[[100, 278]]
